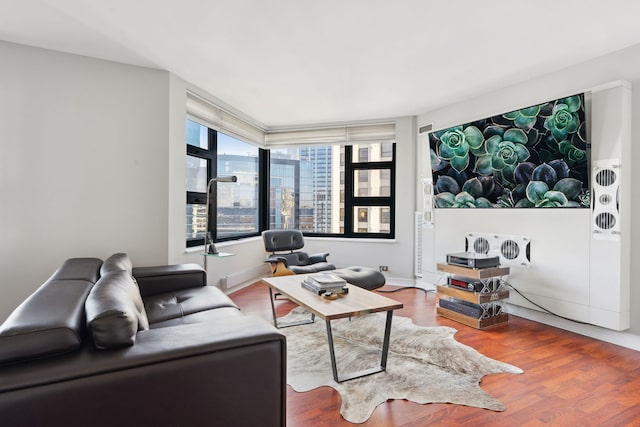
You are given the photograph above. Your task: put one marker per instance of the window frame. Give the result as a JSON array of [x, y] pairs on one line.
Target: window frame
[[200, 198], [351, 168], [348, 172], [351, 201], [196, 197]]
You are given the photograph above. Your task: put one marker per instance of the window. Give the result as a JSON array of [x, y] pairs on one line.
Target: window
[[324, 190], [386, 151], [374, 182], [363, 215], [372, 201], [363, 154], [313, 187], [301, 189], [198, 170], [234, 209]]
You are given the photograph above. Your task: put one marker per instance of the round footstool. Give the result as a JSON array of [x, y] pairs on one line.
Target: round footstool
[[363, 277]]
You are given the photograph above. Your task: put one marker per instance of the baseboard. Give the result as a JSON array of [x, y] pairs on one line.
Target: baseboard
[[624, 339]]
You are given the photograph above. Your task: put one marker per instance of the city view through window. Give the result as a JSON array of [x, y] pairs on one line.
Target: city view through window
[[306, 187]]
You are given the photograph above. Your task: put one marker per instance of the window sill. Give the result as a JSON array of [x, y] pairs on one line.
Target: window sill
[[351, 239], [219, 245]]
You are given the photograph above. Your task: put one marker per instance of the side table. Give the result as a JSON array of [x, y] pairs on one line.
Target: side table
[[485, 303], [218, 255]]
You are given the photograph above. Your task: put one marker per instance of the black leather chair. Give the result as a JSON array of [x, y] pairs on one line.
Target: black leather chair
[[285, 257]]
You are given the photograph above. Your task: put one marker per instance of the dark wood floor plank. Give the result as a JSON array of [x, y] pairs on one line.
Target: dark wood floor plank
[[569, 379]]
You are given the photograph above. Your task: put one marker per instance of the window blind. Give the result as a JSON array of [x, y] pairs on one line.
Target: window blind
[[353, 134], [216, 118]]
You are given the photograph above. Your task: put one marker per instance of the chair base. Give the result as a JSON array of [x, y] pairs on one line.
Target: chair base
[[280, 269]]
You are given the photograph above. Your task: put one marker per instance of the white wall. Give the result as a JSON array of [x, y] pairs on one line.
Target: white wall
[[83, 164], [622, 65]]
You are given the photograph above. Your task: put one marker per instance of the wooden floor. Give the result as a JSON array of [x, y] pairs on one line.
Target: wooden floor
[[568, 380]]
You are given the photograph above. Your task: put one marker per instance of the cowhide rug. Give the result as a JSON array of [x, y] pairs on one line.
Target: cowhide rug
[[425, 364]]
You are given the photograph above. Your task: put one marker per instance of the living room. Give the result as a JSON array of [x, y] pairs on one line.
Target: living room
[[93, 159]]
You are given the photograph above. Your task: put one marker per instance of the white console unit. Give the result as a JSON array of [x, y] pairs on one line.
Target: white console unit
[[609, 258]]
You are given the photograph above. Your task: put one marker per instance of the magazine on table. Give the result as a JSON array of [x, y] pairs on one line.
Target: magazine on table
[[326, 280], [320, 291]]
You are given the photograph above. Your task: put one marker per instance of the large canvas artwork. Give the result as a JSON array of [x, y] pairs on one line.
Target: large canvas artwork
[[535, 157]]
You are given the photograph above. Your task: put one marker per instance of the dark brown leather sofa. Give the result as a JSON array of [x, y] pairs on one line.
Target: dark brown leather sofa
[[103, 344]]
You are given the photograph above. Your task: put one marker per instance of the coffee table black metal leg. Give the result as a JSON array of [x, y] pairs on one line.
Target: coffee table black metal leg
[[363, 373], [275, 319], [385, 343], [332, 352]]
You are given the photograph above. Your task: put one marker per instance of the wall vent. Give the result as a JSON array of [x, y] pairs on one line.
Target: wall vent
[[425, 128], [512, 250]]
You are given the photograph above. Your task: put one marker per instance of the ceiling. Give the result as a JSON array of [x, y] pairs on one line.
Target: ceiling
[[294, 62]]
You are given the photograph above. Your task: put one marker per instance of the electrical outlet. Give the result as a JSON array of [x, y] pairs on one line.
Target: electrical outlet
[[384, 268]]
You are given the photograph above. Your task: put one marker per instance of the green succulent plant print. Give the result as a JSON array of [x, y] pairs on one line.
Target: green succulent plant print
[[539, 194], [461, 200], [456, 143], [533, 157], [564, 120], [525, 118], [507, 152]]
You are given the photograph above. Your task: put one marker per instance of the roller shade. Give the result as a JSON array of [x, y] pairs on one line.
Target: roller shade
[[334, 135], [216, 118]]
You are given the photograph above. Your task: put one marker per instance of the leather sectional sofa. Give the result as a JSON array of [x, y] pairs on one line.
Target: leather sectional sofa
[[103, 344]]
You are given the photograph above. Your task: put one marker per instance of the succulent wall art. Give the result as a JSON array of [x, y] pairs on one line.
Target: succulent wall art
[[536, 157]]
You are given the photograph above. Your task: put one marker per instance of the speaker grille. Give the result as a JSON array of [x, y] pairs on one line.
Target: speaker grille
[[481, 245], [605, 220], [510, 249], [606, 177], [604, 199]]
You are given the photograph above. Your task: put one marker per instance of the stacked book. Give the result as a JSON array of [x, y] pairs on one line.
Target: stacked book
[[325, 282]]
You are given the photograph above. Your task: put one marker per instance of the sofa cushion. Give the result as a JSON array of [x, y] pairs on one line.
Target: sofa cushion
[[363, 277], [49, 322], [167, 278], [221, 314], [312, 268], [115, 312], [87, 269], [183, 302], [116, 262], [282, 240]]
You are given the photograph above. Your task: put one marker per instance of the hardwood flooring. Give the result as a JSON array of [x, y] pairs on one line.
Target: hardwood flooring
[[568, 380]]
